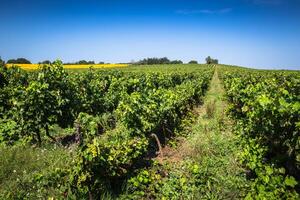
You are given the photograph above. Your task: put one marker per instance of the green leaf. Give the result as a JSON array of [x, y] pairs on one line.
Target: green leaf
[[264, 100], [290, 181]]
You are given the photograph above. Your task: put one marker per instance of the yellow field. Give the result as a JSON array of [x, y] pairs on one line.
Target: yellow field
[[96, 66]]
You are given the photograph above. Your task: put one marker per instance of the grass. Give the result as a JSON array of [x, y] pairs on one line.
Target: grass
[[210, 108], [21, 165], [214, 147]]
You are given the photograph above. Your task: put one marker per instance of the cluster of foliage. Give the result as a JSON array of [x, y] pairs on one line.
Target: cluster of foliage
[[176, 62], [2, 62], [156, 61], [207, 172], [210, 60], [153, 103], [18, 61], [36, 100], [193, 62], [81, 62], [164, 182], [112, 114], [265, 105], [84, 62], [48, 62]]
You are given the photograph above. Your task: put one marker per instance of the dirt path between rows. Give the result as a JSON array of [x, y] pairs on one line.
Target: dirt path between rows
[[211, 143]]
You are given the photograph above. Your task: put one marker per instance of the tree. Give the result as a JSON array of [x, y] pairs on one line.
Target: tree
[[82, 62], [164, 60], [193, 62], [101, 63], [176, 62], [11, 61], [2, 62], [19, 61], [48, 62], [210, 60], [23, 61], [158, 61]]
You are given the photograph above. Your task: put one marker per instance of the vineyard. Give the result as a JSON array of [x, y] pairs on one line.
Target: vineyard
[[149, 132], [266, 107]]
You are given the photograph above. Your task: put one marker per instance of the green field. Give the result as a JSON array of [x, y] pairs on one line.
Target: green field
[[182, 131]]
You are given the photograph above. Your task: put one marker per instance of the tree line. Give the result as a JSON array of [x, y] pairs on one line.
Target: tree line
[[83, 62], [80, 62], [18, 61], [145, 61], [165, 60], [156, 61]]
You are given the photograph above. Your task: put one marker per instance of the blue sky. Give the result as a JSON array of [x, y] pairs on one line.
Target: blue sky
[[253, 33]]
